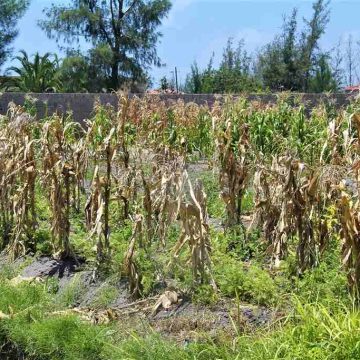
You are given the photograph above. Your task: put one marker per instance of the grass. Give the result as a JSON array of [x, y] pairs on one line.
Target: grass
[[311, 331], [70, 295], [322, 322]]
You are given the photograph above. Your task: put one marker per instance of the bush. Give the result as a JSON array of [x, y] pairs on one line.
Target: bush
[[253, 284]]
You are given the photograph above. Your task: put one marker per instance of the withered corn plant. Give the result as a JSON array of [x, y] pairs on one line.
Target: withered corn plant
[[58, 177], [125, 189], [167, 195], [195, 232], [7, 185], [18, 182], [233, 149], [122, 118], [101, 141], [130, 268], [80, 164], [273, 188], [289, 202], [349, 213], [348, 204], [22, 234], [148, 207], [94, 206]]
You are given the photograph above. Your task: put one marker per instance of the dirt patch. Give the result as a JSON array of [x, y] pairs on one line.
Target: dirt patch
[[45, 266], [94, 291], [186, 321]]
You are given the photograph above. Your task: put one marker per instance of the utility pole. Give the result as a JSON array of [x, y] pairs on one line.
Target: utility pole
[[176, 79]]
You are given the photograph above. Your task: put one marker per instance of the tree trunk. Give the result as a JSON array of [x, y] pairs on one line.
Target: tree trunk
[[115, 75]]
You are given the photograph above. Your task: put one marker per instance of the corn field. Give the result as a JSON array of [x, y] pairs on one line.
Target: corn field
[[132, 165]]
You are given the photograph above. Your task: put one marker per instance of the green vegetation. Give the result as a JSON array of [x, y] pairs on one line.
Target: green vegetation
[[39, 75], [180, 231], [251, 220], [10, 13], [311, 330]]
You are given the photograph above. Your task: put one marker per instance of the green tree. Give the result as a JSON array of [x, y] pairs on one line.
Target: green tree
[[289, 53], [166, 84], [87, 72], [74, 73], [37, 75], [234, 74], [123, 33], [10, 13], [194, 80], [279, 62], [270, 66], [291, 60], [324, 79], [310, 37]]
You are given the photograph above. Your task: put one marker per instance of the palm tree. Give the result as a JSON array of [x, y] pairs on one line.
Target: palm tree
[[39, 75]]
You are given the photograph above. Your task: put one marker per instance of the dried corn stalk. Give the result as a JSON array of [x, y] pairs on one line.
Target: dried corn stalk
[[289, 202], [23, 200], [234, 172], [195, 232], [101, 141], [167, 196], [58, 176], [124, 105], [95, 216], [130, 267], [350, 229], [18, 176]]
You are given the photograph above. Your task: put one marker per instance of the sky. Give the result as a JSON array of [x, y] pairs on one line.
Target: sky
[[195, 29]]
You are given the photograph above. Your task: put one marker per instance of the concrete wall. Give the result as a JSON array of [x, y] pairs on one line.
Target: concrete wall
[[81, 105]]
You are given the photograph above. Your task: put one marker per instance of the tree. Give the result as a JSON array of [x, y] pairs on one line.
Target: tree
[[194, 81], [324, 79], [310, 38], [74, 73], [289, 53], [278, 63], [271, 68], [336, 64], [123, 29], [167, 84], [291, 60], [234, 74], [87, 72], [39, 75], [10, 13]]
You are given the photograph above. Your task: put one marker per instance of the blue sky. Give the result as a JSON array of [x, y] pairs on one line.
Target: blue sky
[[196, 28]]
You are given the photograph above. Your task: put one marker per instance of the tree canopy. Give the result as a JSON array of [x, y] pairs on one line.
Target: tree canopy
[[293, 61], [123, 34], [234, 74], [10, 12]]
